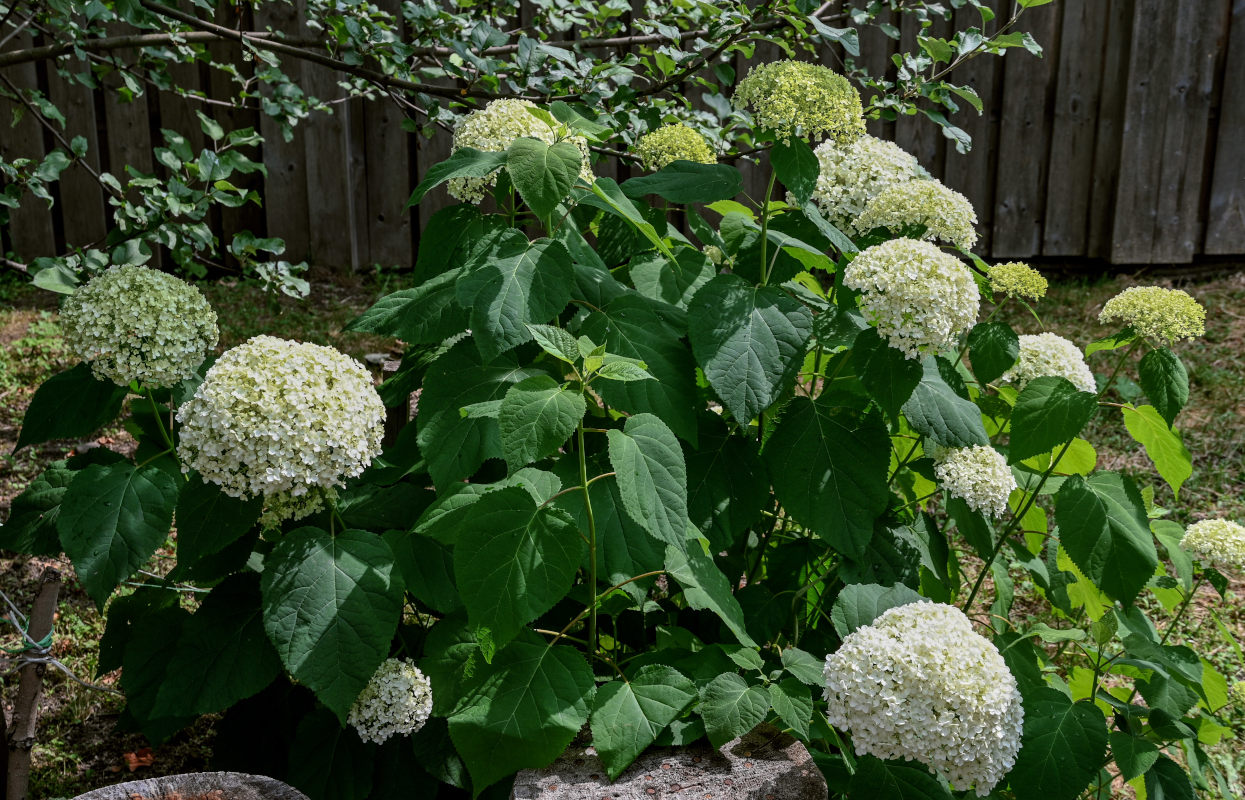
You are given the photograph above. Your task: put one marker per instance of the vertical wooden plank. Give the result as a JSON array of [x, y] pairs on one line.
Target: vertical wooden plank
[[1225, 225], [918, 134], [1077, 91], [1116, 55], [1179, 224], [31, 234], [285, 187], [1024, 139], [356, 181], [387, 222], [328, 193], [972, 173], [81, 198], [875, 57]]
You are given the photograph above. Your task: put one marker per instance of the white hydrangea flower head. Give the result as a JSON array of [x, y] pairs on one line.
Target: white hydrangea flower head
[[494, 128], [1048, 354], [1168, 315], [1218, 542], [946, 214], [853, 174], [397, 701], [132, 323], [671, 143], [796, 97], [978, 475], [280, 419], [920, 684], [919, 298]]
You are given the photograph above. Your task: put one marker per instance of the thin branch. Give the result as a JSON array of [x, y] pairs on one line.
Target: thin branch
[[106, 44], [700, 61]]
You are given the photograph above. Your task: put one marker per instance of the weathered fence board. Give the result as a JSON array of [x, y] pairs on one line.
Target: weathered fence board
[[30, 228], [82, 200], [1225, 221], [1102, 184]]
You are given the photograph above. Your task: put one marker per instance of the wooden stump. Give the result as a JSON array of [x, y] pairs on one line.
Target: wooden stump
[[765, 764], [199, 786]]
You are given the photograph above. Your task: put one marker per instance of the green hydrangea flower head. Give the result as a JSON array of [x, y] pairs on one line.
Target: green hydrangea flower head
[[1219, 542], [671, 143], [493, 129], [1238, 692], [797, 98], [132, 323], [1167, 315], [1016, 279], [946, 215]]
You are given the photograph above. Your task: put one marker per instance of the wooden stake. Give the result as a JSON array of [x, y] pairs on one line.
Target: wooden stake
[[21, 733]]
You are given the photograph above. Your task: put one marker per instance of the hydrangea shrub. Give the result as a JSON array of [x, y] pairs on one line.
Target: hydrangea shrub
[[660, 486]]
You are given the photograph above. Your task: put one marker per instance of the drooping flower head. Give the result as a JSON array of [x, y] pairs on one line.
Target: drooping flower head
[[494, 128], [1048, 354], [978, 475], [671, 143], [1167, 315], [795, 97], [946, 215], [132, 323], [852, 174], [918, 297], [280, 419], [397, 701], [920, 684], [1219, 542], [1016, 279]]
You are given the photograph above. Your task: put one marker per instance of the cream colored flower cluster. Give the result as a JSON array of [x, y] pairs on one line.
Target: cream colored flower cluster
[[280, 419], [946, 215], [853, 174], [920, 684], [1216, 541], [137, 324], [671, 143], [797, 98], [919, 298], [1048, 354], [978, 475], [493, 129], [1016, 279], [1167, 315], [397, 701], [1238, 692]]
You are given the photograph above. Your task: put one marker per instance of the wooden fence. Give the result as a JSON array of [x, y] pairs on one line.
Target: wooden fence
[[1126, 143]]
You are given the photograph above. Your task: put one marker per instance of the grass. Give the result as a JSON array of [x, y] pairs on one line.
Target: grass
[[78, 747]]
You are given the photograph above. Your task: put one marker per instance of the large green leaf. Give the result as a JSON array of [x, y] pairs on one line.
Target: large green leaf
[[536, 418], [1049, 412], [1162, 444], [455, 446], [628, 714], [144, 668], [829, 467], [731, 708], [329, 761], [795, 164], [112, 518], [726, 483], [887, 374], [803, 666], [446, 240], [1103, 527], [706, 587], [861, 603], [1061, 749], [936, 410], [513, 561], [793, 703], [222, 655], [543, 174], [522, 710], [208, 520], [466, 162], [69, 405], [331, 607], [688, 182], [1167, 780], [1164, 380], [637, 327], [993, 348], [894, 780], [674, 282], [515, 283], [425, 314], [427, 568], [31, 527], [608, 196], [652, 477], [749, 340]]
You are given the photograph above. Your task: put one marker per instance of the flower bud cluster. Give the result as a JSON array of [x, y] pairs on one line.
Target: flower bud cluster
[[978, 475], [920, 684], [796, 97], [132, 323], [1016, 279], [397, 701], [671, 143], [919, 298], [946, 215], [1167, 315], [1219, 542], [1048, 354], [853, 174]]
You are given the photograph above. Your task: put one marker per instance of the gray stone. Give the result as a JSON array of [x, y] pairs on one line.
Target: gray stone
[[198, 786], [765, 764]]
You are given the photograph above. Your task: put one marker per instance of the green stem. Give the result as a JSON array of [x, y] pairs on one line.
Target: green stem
[[155, 412], [1180, 612], [769, 190], [592, 541]]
